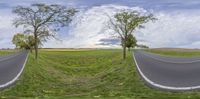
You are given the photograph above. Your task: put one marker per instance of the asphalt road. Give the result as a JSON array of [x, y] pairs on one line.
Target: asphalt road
[[168, 73], [11, 68], [173, 59]]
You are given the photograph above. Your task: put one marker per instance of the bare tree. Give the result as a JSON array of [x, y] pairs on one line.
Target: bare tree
[[125, 22], [42, 21]]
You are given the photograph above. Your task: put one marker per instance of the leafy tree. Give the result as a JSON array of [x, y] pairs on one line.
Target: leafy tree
[[30, 42], [18, 40], [130, 42], [42, 21], [125, 22], [142, 46], [22, 41]]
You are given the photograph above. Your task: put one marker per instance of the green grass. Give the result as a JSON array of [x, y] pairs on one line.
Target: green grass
[[7, 52], [98, 74], [174, 53]]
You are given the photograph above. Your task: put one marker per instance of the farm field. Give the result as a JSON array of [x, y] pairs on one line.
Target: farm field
[[67, 49], [175, 52], [93, 74], [7, 52]]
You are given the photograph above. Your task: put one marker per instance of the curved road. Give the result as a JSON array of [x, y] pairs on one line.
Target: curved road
[[173, 59], [168, 73], [11, 68]]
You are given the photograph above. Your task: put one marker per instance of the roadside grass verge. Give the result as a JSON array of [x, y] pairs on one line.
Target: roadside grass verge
[[99, 73], [96, 74]]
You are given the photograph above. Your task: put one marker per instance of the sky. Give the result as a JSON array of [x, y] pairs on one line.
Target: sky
[[177, 24]]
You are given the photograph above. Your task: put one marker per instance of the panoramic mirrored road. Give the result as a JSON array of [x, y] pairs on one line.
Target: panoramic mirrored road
[[166, 72]]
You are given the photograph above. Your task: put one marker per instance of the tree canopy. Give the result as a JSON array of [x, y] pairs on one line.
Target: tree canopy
[[124, 24], [23, 41], [142, 46], [42, 21], [131, 42]]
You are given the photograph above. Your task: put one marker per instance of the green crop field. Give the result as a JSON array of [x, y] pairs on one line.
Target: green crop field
[[94, 74], [175, 52], [7, 52]]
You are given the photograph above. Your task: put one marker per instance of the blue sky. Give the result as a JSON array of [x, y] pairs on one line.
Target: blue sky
[[177, 25]]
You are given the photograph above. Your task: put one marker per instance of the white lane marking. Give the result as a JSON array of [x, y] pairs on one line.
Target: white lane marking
[[163, 86], [13, 80], [170, 61]]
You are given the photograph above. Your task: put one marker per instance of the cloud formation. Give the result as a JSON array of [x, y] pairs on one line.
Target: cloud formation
[[174, 28], [6, 29], [91, 26]]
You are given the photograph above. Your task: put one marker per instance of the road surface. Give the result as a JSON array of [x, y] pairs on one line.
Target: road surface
[[11, 68], [168, 73]]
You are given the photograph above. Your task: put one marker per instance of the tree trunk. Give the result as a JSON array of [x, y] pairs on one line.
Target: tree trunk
[[124, 46], [36, 50], [36, 45], [124, 52]]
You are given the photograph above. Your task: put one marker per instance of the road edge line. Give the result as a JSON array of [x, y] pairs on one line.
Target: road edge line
[[162, 86], [18, 75], [195, 61], [10, 56]]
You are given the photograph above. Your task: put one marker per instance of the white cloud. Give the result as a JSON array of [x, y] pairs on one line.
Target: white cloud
[[172, 29], [7, 30], [179, 28], [90, 26]]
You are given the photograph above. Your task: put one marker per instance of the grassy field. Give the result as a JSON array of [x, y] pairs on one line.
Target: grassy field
[[7, 52], [175, 52], [94, 74], [67, 49]]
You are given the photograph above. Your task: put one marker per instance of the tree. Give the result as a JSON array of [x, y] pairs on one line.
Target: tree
[[23, 41], [131, 42], [142, 46], [18, 40], [31, 42], [42, 21], [125, 22]]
